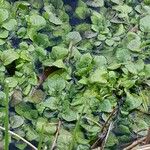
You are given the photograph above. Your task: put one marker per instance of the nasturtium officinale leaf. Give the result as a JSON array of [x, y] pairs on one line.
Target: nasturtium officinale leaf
[[134, 45], [85, 61], [31, 134], [117, 1], [95, 3], [112, 140], [37, 96], [12, 82], [140, 126], [55, 83], [16, 97], [64, 139], [82, 12], [55, 20], [59, 52], [100, 61], [105, 106], [147, 70], [99, 76], [51, 103], [4, 33], [2, 41], [36, 21], [16, 121], [131, 67], [123, 55], [4, 14], [8, 56], [25, 110], [70, 115], [147, 2], [47, 127], [125, 9], [145, 24], [10, 25], [133, 101], [73, 37]]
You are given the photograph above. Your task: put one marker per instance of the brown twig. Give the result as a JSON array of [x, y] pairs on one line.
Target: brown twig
[[144, 147], [105, 140], [104, 131], [135, 143], [56, 136], [147, 141], [21, 138], [110, 116]]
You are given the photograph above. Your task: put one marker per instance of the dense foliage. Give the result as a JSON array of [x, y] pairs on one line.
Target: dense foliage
[[83, 63]]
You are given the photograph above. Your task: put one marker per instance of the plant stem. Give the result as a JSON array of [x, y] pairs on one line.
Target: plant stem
[[6, 117], [41, 138], [75, 130], [21, 138], [56, 136]]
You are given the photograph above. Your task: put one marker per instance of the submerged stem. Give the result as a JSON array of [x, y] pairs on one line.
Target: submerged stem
[[6, 117]]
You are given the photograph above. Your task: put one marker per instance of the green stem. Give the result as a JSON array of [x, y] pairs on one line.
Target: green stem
[[7, 118], [75, 130], [41, 138]]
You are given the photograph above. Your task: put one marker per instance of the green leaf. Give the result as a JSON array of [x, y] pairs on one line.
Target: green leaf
[[85, 61], [26, 111], [145, 24], [95, 3], [125, 9], [8, 56], [37, 96], [4, 34], [131, 67], [10, 25], [109, 42], [100, 61], [16, 98], [134, 45], [64, 140], [41, 40], [147, 70], [4, 14], [133, 101], [55, 84], [69, 115], [59, 52], [2, 42], [73, 37], [82, 10], [123, 55], [147, 2], [36, 21], [51, 103], [47, 127], [117, 1], [139, 126], [106, 106], [16, 121], [12, 82], [31, 134], [98, 76], [112, 140], [55, 20]]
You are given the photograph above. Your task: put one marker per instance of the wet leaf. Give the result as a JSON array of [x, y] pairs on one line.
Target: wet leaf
[[10, 25], [73, 37], [144, 24], [4, 14], [16, 121], [8, 57]]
